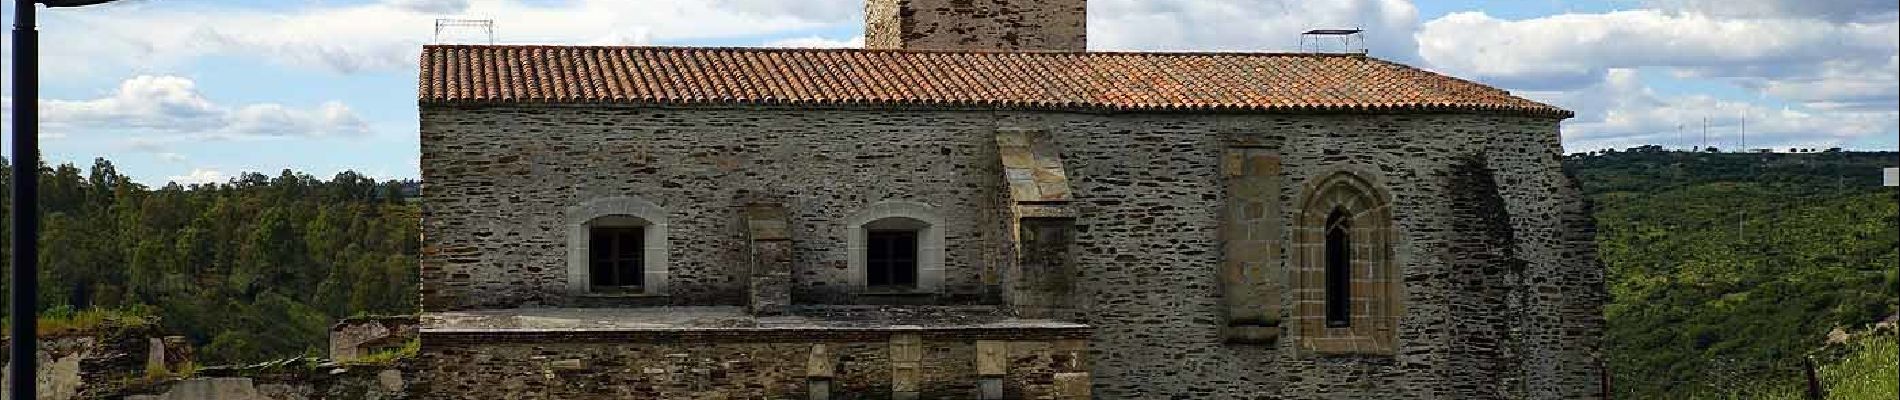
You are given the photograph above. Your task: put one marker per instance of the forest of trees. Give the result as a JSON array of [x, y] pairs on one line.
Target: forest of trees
[[252, 269], [1726, 269]]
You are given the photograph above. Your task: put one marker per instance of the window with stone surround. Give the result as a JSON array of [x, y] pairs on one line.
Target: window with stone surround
[[1347, 288], [617, 246], [896, 247], [616, 252]]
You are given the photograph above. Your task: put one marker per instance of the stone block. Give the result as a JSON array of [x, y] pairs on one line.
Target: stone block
[[907, 348], [820, 364], [1072, 385], [1251, 334], [992, 357], [571, 364], [906, 377], [818, 389], [990, 388]]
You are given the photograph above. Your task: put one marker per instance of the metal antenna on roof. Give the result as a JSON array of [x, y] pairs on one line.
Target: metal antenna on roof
[[487, 26], [1349, 40]]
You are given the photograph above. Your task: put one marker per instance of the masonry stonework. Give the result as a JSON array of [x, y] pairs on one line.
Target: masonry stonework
[[997, 25], [1499, 287]]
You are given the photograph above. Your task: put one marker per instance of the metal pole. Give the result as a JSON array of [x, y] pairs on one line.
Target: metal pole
[[1815, 391], [25, 213]]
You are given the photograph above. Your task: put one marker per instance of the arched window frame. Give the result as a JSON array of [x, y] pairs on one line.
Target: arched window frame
[[930, 242], [649, 216], [1375, 289]]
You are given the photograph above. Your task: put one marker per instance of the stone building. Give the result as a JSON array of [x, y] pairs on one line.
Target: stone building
[[977, 207]]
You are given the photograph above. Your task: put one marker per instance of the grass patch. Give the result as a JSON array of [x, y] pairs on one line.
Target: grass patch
[[1869, 372], [64, 320], [390, 356]]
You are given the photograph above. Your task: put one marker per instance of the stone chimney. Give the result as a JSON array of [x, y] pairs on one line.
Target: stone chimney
[[979, 25]]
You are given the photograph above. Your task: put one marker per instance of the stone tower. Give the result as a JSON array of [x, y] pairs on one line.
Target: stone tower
[[979, 25]]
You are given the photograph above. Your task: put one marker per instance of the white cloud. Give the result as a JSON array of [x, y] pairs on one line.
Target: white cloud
[[830, 11], [818, 43], [1574, 49], [148, 102], [173, 105], [1839, 84], [431, 6], [388, 35], [1837, 71], [1838, 10], [1622, 111], [1255, 25], [200, 176]]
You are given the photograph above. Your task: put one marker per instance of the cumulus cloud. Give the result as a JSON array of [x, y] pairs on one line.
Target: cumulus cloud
[[200, 176], [829, 11], [1622, 111], [1837, 10], [387, 35], [1837, 69], [171, 104], [1576, 49], [431, 6], [1852, 84], [1255, 25], [818, 43]]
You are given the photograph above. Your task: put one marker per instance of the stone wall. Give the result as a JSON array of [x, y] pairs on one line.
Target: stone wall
[[1149, 195], [855, 365], [356, 337], [100, 363], [1008, 25], [326, 383], [128, 363], [498, 180]]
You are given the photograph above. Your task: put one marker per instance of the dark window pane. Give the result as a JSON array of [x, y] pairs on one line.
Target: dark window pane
[[600, 245], [891, 259], [627, 243], [1338, 270], [616, 256], [600, 273]]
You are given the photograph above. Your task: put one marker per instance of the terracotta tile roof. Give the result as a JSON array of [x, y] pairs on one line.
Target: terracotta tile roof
[[462, 74]]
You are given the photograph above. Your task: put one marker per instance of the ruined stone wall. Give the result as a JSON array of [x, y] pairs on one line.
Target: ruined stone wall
[[103, 362], [860, 368], [324, 383], [1005, 25], [1150, 196], [130, 363]]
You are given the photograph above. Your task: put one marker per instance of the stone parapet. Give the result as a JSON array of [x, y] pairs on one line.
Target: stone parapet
[[703, 353]]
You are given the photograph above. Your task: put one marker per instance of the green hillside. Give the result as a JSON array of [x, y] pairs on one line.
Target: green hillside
[[1726, 269], [253, 269]]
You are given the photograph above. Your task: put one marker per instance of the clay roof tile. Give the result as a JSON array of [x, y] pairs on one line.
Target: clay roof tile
[[1127, 81]]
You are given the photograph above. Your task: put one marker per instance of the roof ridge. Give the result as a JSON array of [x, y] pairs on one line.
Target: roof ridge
[[427, 47]]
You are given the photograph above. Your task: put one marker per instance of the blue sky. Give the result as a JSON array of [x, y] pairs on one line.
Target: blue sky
[[202, 90]]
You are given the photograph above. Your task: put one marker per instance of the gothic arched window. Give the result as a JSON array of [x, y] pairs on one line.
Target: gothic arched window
[[1347, 287]]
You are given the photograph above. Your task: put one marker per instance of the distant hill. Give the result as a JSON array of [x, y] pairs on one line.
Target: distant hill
[[1726, 269], [252, 269]]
